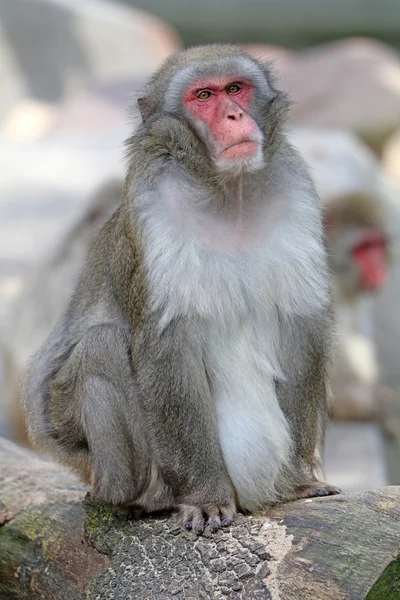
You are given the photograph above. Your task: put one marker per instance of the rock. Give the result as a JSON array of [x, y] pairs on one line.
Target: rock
[[45, 294], [355, 456], [391, 155], [44, 187], [351, 84], [54, 545], [51, 48], [29, 120], [89, 110], [341, 165], [297, 23], [281, 56]]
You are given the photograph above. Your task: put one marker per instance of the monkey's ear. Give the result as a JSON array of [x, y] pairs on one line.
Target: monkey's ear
[[146, 107], [270, 73]]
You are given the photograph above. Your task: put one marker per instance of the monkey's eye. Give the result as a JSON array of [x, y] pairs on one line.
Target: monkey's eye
[[203, 95], [234, 88]]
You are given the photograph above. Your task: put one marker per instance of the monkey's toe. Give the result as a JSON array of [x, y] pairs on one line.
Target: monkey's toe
[[195, 518], [214, 523], [320, 492], [192, 518], [316, 489], [127, 511]]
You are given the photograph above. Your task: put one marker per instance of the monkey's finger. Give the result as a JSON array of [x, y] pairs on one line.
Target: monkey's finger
[[198, 523], [127, 511], [316, 489], [328, 490], [186, 514], [227, 514], [191, 517], [214, 521], [320, 492]]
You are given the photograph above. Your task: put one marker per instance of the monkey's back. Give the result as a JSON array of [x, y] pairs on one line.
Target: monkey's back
[[96, 301]]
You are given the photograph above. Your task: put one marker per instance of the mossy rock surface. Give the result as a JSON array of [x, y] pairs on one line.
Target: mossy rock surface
[[54, 545]]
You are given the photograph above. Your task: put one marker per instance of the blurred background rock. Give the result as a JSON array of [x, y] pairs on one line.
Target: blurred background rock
[[67, 70]]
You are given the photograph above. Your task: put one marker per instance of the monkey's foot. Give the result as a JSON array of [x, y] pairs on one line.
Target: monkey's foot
[[196, 517], [316, 489], [127, 511]]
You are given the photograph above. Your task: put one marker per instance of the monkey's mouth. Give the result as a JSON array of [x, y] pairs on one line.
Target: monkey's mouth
[[241, 149]]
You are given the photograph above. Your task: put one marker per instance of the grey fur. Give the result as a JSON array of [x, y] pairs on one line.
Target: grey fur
[[123, 389]]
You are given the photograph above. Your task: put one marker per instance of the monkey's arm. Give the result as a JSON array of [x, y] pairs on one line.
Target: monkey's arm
[[180, 422], [303, 396]]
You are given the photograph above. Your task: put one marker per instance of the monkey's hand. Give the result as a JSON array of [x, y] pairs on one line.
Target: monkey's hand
[[218, 513]]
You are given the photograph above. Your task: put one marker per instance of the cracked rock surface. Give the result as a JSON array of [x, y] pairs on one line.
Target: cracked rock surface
[[54, 545], [160, 560]]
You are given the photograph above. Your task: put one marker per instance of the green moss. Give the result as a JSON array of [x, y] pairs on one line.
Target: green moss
[[98, 516], [30, 547], [33, 524], [387, 587], [13, 546], [100, 526], [18, 559], [30, 529], [103, 530], [38, 528]]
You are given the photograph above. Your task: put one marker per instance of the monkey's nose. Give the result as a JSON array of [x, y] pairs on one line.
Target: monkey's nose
[[235, 116]]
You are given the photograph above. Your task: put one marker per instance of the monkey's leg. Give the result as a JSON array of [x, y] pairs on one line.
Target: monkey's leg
[[303, 399], [181, 423], [120, 467], [96, 386]]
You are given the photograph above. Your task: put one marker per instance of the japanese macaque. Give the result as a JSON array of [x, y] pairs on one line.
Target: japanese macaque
[[359, 252], [190, 368], [358, 245]]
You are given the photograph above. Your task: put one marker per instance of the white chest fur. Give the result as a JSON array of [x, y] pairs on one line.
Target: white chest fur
[[241, 365], [236, 295]]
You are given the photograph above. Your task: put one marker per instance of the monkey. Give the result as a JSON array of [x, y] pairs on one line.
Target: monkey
[[360, 255], [189, 371], [359, 242]]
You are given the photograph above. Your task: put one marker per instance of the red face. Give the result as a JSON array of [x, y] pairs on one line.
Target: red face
[[371, 259], [222, 105]]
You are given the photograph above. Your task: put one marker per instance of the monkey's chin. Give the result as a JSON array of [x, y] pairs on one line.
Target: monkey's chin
[[244, 149], [234, 160]]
